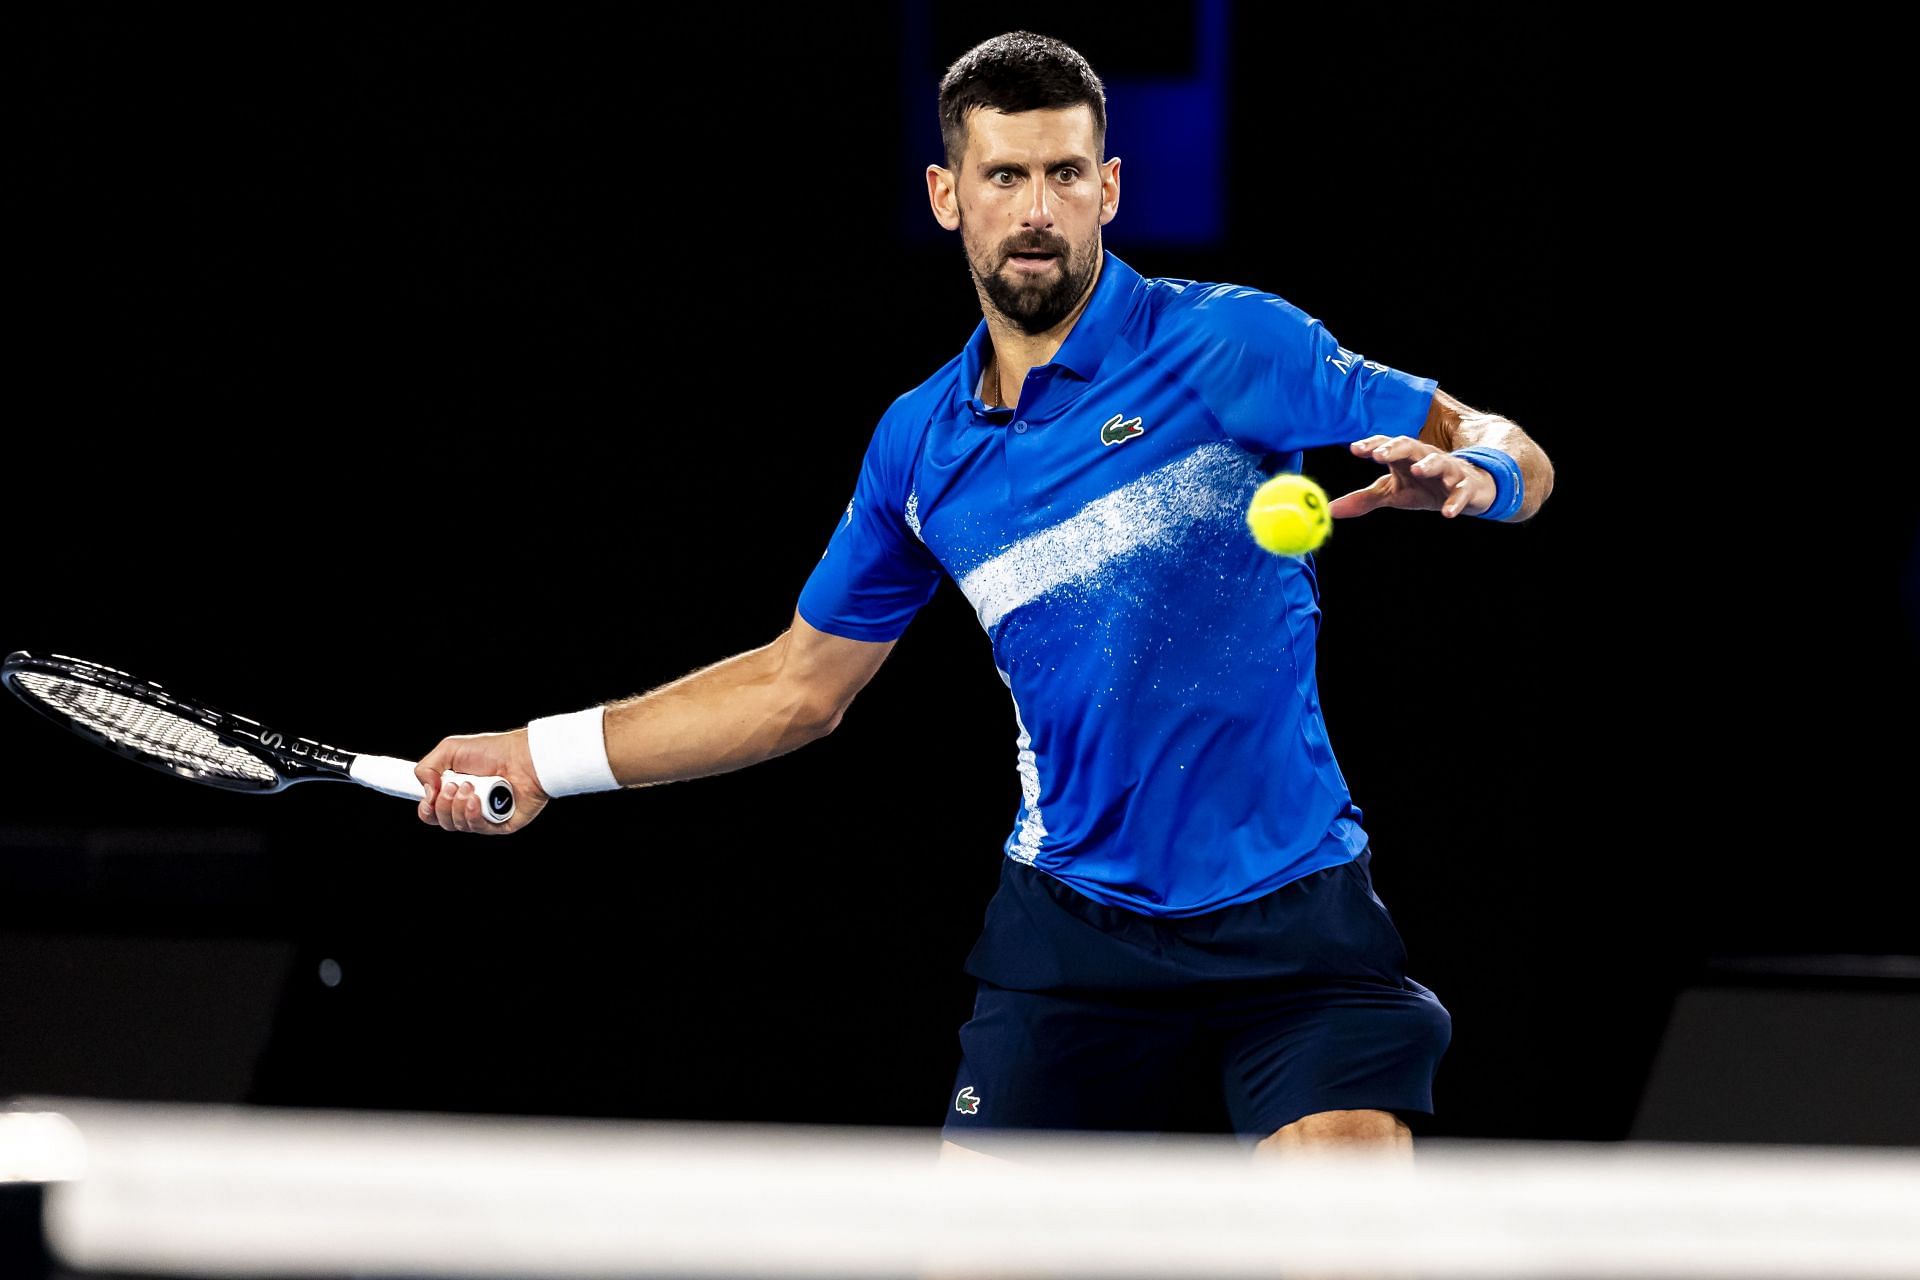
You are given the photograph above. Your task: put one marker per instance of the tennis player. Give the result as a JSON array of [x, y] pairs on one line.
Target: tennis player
[[1185, 897]]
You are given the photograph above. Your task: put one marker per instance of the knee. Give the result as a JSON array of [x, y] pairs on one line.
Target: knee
[[952, 1155], [1370, 1131]]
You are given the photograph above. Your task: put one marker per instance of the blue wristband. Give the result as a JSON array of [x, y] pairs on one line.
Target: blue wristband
[[1509, 487]]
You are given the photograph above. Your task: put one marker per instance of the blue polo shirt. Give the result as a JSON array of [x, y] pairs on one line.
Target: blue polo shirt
[[1171, 750]]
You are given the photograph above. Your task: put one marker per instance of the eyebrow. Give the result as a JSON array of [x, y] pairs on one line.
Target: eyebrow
[[1071, 162]]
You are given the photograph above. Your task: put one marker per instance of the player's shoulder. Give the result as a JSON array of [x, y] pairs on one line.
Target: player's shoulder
[[911, 410], [1214, 310], [902, 429], [922, 401]]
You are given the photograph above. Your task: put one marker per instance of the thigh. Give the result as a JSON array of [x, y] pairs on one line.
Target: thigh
[[1056, 1060]]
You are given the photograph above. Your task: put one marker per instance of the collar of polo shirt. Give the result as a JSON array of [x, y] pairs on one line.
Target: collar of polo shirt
[[1087, 344]]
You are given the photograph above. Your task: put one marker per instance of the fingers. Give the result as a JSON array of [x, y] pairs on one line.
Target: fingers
[[1397, 488], [442, 756], [458, 807], [454, 808], [444, 805], [1421, 476], [1361, 501], [1391, 448], [429, 787], [1455, 479], [428, 772]]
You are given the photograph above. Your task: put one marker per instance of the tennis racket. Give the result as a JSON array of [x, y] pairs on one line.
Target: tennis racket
[[163, 730]]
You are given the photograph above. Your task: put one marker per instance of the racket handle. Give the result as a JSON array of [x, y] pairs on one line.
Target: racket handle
[[394, 776]]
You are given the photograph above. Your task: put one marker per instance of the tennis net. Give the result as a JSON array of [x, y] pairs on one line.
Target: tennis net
[[223, 1191]]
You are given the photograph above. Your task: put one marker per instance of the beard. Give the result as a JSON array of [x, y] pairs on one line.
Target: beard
[[1036, 303]]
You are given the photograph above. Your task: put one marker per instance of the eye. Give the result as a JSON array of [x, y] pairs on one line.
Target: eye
[[1068, 175], [998, 174]]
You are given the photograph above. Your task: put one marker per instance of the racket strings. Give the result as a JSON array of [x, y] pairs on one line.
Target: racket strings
[[129, 723]]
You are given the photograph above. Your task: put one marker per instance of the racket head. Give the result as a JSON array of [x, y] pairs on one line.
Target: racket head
[[141, 721]]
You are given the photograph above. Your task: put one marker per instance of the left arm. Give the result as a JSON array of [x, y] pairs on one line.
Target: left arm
[[1423, 475]]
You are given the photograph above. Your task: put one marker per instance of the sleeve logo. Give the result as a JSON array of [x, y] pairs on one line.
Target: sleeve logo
[[1345, 361]]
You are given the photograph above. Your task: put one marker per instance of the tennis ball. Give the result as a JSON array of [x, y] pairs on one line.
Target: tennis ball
[[1288, 515]]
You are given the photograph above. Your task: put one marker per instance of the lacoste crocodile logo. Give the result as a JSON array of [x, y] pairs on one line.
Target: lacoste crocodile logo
[[1115, 431], [966, 1104]]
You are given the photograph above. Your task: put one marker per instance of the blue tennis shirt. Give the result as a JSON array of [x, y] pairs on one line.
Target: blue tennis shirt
[[1172, 754]]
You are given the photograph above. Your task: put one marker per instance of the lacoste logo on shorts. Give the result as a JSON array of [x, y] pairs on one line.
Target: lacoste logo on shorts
[[1118, 431], [966, 1104]]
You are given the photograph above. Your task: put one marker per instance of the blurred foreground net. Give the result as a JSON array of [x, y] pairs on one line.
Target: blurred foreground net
[[212, 1191]]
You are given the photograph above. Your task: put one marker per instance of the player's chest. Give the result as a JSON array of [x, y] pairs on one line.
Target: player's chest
[[980, 486]]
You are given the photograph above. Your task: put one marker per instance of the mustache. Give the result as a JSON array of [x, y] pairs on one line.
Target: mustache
[[1047, 246]]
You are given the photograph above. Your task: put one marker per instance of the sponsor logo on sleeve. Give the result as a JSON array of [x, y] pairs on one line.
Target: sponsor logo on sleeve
[[1345, 361]]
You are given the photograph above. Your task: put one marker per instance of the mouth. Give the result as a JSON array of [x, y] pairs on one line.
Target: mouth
[[1031, 262]]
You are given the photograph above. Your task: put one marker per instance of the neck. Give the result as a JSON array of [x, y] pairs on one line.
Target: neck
[[1016, 352]]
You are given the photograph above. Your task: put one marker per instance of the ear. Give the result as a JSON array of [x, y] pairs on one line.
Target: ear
[[1109, 190], [943, 198]]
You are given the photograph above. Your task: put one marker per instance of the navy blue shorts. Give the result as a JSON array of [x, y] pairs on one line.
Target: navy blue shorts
[[1091, 1017]]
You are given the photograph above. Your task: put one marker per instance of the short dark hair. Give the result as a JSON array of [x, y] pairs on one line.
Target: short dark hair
[[1018, 71]]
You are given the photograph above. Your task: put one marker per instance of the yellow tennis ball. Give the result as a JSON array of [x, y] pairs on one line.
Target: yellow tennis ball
[[1288, 515]]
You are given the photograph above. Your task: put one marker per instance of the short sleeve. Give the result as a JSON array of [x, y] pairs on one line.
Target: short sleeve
[[1278, 381], [875, 574]]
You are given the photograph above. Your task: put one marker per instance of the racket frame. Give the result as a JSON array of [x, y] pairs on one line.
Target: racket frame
[[290, 758]]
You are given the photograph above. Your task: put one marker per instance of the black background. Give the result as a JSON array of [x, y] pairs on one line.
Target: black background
[[394, 377]]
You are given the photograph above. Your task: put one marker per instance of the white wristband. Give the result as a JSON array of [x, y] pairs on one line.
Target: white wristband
[[570, 753]]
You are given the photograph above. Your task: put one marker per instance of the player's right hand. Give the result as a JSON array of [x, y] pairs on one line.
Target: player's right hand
[[483, 755]]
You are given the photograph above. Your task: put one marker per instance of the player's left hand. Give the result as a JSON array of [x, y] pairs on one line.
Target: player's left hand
[[1420, 477]]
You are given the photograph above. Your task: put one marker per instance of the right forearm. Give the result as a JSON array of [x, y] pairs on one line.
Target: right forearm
[[727, 716]]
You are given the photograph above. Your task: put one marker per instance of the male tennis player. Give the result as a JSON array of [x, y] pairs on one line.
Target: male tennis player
[[1185, 887]]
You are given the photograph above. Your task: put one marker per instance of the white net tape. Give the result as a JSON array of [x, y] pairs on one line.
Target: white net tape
[[225, 1191]]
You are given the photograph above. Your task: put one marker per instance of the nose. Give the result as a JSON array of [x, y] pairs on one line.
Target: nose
[[1039, 215]]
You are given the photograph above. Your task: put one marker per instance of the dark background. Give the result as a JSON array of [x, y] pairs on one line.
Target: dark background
[[392, 377]]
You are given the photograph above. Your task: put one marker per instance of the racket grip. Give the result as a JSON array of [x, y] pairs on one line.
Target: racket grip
[[394, 776]]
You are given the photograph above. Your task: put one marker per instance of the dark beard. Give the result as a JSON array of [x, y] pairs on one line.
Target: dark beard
[[1037, 308]]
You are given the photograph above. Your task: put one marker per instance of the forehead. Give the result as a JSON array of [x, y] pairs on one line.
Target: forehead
[[1039, 135]]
